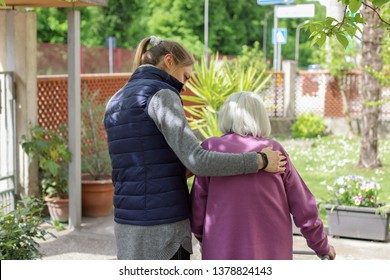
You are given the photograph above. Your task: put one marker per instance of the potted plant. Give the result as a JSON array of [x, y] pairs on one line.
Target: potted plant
[[51, 150], [96, 184], [354, 210]]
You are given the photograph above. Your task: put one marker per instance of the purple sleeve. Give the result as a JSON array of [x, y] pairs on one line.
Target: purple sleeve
[[304, 210], [199, 194]]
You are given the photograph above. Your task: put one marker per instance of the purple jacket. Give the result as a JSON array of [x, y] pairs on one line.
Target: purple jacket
[[248, 216]]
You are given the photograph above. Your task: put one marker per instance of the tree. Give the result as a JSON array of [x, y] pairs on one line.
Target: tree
[[371, 57], [178, 20], [232, 24], [361, 12]]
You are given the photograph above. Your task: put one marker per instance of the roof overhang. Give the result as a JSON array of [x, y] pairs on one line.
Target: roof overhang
[[10, 4]]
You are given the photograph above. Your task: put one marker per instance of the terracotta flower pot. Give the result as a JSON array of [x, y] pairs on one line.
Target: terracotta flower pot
[[97, 197], [58, 208]]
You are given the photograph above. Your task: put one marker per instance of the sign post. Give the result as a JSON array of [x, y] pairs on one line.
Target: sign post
[[277, 47], [273, 2], [279, 37], [296, 11], [285, 11]]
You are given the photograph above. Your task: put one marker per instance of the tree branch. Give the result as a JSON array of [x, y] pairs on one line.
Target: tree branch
[[376, 11], [344, 15]]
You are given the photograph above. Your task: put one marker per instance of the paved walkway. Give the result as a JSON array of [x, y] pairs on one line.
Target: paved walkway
[[95, 241]]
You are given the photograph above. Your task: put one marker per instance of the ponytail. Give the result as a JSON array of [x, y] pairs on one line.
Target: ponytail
[[141, 49]]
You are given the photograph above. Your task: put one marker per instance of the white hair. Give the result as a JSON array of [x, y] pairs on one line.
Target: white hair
[[244, 113]]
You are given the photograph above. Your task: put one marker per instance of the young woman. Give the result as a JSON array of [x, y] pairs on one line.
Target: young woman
[[151, 145], [247, 217]]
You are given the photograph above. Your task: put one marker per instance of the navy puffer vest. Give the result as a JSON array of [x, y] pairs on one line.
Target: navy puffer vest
[[149, 179]]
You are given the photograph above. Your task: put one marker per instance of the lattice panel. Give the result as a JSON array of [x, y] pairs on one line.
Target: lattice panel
[[316, 91], [53, 95], [320, 93], [107, 85], [310, 93], [52, 102], [274, 95], [353, 85]]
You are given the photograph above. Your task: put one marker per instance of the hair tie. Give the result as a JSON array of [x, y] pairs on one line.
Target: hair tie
[[154, 41]]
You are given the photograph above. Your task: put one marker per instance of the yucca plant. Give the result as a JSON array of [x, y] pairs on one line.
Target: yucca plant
[[211, 86]]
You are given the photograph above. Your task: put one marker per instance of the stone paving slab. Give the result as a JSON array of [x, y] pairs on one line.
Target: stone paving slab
[[95, 241]]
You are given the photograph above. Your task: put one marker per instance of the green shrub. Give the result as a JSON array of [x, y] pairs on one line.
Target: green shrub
[[308, 125], [19, 230]]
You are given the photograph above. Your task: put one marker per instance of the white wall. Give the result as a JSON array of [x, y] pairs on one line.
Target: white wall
[[18, 53]]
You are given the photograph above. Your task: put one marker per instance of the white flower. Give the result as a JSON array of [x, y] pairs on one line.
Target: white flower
[[340, 181]]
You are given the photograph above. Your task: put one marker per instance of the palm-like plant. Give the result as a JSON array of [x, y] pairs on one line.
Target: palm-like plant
[[213, 84]]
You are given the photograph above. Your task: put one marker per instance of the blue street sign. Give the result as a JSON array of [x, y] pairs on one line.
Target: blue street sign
[[111, 42], [273, 2], [281, 36]]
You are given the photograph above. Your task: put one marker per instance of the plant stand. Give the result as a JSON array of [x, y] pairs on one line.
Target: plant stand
[[357, 222], [97, 198]]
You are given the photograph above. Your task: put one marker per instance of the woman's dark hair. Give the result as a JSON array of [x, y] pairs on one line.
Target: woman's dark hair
[[151, 50]]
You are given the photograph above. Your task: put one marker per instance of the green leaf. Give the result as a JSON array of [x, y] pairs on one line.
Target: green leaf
[[379, 3], [383, 25], [313, 28], [350, 29], [342, 39], [322, 39], [190, 98], [330, 20], [354, 5], [313, 41], [359, 18]]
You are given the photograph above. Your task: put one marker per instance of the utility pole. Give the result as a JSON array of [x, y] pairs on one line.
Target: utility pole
[[265, 30], [206, 31], [297, 40]]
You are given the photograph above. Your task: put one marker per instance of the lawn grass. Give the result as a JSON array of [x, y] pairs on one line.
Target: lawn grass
[[322, 160]]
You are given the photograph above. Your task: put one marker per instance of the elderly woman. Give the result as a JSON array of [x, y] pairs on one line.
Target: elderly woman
[[254, 222]]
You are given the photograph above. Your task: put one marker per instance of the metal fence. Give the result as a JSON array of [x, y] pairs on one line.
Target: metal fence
[[321, 93]]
